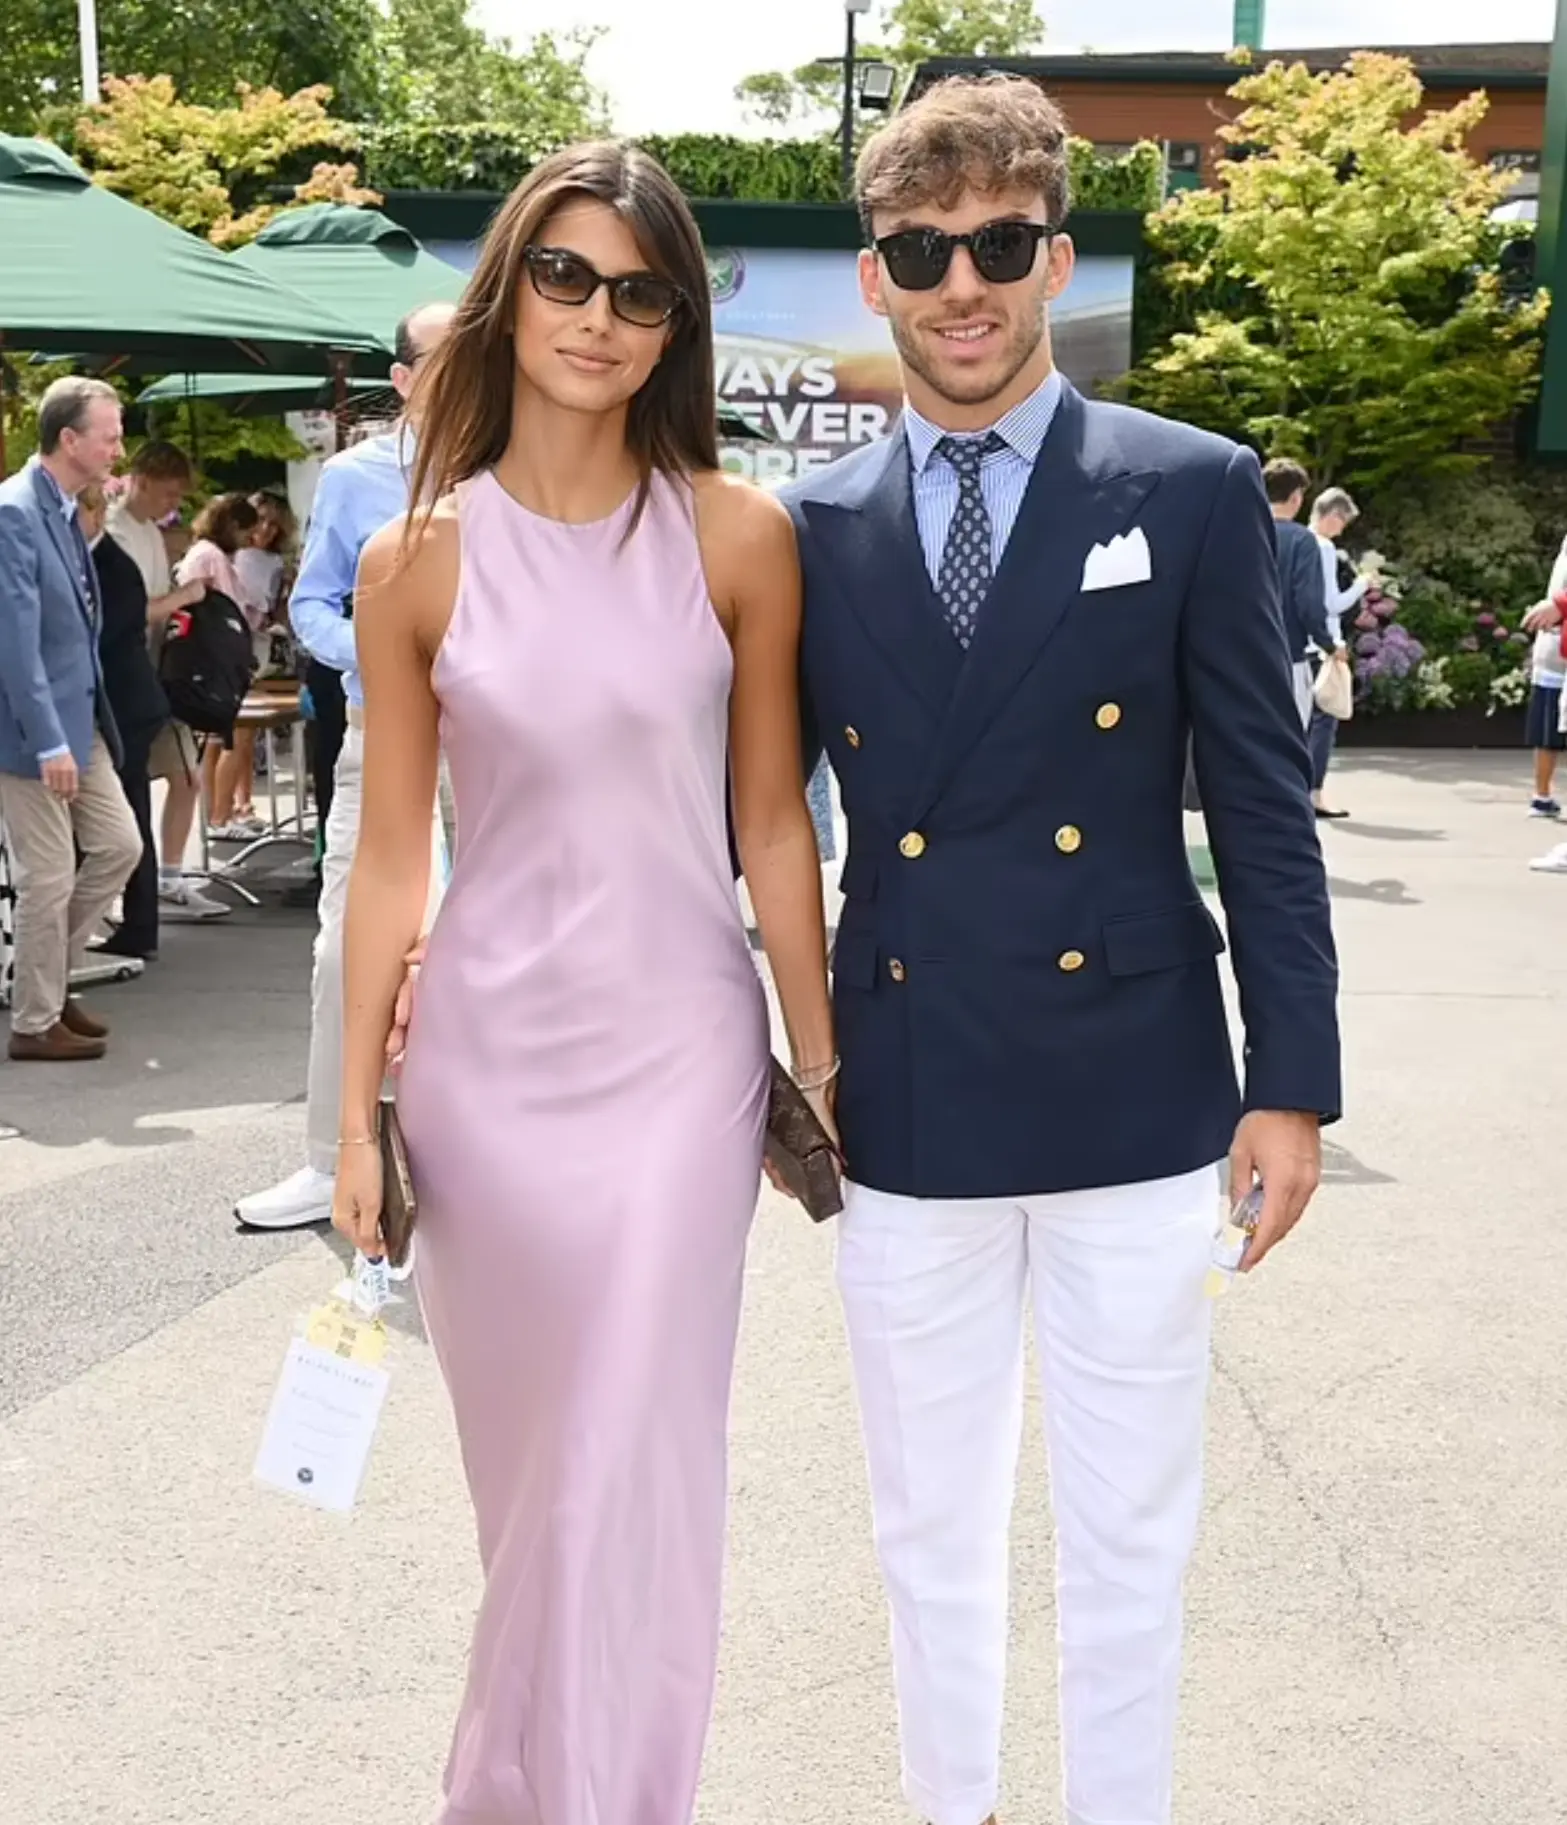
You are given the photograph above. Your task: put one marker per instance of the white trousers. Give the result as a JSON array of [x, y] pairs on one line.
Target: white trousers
[[324, 1083], [935, 1293]]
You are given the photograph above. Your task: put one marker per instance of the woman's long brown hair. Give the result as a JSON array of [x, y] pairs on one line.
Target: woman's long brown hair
[[465, 392]]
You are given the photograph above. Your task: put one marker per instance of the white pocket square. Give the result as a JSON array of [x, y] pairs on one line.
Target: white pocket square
[[1124, 560]]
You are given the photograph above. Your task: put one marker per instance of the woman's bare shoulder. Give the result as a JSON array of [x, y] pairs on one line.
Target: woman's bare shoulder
[[736, 515], [410, 568]]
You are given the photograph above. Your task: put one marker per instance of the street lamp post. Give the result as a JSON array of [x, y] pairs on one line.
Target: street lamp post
[[851, 10], [87, 26]]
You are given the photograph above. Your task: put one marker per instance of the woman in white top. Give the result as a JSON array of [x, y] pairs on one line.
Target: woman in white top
[[1332, 513]]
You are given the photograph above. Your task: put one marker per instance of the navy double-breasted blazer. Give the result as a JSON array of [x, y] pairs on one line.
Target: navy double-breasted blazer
[[1026, 977]]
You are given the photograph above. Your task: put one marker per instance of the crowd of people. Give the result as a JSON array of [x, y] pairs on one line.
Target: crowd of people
[[573, 1008]]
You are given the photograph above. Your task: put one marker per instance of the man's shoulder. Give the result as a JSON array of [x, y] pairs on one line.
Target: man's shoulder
[[370, 455], [844, 477], [18, 491], [1149, 441]]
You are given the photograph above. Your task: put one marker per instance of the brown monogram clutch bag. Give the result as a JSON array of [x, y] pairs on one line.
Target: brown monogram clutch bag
[[799, 1148], [399, 1206]]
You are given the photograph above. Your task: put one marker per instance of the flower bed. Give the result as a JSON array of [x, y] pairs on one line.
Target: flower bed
[[1425, 655]]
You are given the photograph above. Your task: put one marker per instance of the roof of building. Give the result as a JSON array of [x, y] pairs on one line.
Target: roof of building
[[1497, 66]]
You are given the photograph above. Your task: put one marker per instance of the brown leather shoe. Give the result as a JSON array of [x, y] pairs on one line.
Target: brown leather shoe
[[75, 1019], [59, 1046]]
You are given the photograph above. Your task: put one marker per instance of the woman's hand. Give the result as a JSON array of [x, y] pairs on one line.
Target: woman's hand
[[356, 1198], [402, 1011]]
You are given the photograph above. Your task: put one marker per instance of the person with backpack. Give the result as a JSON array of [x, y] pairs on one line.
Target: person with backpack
[[223, 528]]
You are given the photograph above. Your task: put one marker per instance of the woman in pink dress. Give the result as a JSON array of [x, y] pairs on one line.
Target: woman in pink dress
[[601, 630]]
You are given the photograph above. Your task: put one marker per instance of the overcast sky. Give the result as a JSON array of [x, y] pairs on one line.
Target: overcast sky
[[671, 65]]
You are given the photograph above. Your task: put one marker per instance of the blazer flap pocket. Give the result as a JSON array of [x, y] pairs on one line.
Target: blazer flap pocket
[[1145, 942], [858, 880], [854, 958]]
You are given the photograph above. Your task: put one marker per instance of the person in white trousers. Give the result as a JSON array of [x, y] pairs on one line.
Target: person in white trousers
[[1020, 610], [360, 491]]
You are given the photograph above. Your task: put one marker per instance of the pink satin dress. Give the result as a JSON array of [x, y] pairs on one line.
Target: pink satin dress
[[584, 1097]]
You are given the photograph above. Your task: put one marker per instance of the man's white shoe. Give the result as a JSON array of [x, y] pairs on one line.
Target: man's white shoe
[[1554, 861], [304, 1199]]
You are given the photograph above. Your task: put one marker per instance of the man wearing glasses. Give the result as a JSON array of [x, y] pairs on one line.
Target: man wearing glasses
[[360, 491], [1019, 611]]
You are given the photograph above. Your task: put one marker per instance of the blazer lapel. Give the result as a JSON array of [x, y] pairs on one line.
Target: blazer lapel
[[70, 546], [1081, 494], [877, 566]]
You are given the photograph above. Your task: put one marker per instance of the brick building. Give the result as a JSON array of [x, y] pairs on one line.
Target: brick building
[[1180, 98]]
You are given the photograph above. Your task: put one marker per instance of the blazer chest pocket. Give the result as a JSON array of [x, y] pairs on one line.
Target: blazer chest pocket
[[1168, 940]]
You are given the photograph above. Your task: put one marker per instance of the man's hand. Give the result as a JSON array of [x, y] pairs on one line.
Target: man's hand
[[1539, 619], [60, 776], [1283, 1149], [402, 1011]]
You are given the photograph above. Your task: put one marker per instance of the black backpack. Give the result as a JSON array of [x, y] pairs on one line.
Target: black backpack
[[207, 664]]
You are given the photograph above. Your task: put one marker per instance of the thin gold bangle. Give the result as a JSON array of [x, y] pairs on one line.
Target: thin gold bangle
[[362, 1140]]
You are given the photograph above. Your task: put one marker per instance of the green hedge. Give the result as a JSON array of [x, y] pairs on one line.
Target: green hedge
[[712, 167]]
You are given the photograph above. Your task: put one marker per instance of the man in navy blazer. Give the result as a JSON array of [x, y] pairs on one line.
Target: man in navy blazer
[[60, 795], [1020, 609]]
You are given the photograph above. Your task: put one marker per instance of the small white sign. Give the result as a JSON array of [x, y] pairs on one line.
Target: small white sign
[[322, 1424]]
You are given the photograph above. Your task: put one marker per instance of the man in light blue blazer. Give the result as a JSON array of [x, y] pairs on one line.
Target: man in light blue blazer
[[59, 793]]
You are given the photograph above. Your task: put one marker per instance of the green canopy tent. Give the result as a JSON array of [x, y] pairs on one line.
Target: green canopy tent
[[84, 272], [356, 263]]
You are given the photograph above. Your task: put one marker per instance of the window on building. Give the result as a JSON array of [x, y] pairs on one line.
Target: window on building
[[1182, 165], [1525, 167]]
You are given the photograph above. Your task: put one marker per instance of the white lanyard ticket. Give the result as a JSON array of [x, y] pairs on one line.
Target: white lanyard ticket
[[328, 1400]]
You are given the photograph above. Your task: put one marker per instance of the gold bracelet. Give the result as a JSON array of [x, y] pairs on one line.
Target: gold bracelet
[[362, 1140], [820, 1078]]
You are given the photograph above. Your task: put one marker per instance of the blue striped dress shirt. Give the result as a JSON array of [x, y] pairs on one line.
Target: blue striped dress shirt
[[1003, 476]]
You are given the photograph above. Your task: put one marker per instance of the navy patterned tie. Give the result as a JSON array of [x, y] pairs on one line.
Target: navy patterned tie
[[964, 578]]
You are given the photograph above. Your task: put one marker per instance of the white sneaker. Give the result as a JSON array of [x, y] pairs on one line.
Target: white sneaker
[[182, 900], [1554, 861], [304, 1199]]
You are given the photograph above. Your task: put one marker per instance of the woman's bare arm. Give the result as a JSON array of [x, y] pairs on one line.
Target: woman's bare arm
[[753, 571], [401, 607]]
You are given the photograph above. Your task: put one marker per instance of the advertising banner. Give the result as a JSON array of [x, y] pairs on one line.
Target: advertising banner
[[804, 363]]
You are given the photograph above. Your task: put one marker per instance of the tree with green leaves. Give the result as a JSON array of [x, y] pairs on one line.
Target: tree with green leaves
[[204, 47], [442, 69], [214, 170], [912, 32], [1336, 298]]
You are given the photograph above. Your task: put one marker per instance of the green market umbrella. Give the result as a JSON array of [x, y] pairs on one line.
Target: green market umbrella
[[267, 395], [83, 271], [356, 263]]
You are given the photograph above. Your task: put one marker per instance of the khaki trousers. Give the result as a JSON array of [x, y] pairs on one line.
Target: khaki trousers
[[58, 904]]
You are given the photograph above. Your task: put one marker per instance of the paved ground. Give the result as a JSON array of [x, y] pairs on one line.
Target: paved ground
[[1378, 1613]]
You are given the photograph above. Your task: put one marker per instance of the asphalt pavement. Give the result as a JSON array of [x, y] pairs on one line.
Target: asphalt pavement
[[1378, 1611]]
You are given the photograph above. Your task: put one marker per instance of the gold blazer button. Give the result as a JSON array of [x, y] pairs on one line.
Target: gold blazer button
[[852, 736], [1069, 839], [1070, 961], [1107, 715], [911, 846], [896, 970]]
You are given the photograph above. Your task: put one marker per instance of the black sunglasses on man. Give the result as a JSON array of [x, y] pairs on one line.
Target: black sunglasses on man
[[1003, 253]]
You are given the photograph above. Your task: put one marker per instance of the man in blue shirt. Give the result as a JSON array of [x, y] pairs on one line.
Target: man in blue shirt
[[360, 490]]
